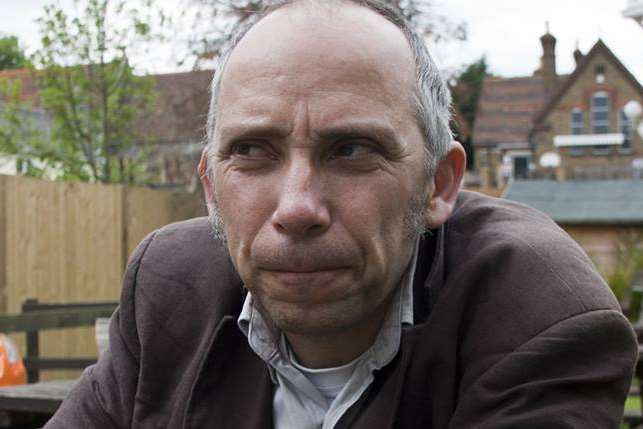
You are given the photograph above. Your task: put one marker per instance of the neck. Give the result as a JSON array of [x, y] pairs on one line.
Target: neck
[[339, 348]]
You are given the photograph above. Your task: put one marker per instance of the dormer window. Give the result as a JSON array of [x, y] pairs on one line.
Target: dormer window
[[600, 113], [576, 122]]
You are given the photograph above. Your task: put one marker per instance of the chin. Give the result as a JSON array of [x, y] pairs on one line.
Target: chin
[[320, 319]]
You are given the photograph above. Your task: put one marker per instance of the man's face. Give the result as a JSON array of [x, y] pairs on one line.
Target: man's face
[[318, 165]]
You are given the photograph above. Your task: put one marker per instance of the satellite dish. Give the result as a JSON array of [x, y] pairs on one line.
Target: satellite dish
[[633, 109], [550, 160]]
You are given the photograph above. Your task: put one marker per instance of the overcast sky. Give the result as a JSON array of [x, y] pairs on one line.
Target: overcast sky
[[506, 31]]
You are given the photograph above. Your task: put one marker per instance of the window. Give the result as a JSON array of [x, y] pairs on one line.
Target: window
[[602, 150], [576, 151], [576, 122], [625, 128], [600, 113]]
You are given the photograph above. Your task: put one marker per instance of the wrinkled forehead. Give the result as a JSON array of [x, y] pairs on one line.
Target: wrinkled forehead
[[323, 46]]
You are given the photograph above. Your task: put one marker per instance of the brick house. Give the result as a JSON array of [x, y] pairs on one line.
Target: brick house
[[174, 132], [171, 135], [559, 126]]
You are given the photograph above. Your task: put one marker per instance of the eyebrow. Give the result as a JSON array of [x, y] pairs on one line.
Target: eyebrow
[[253, 128], [374, 130]]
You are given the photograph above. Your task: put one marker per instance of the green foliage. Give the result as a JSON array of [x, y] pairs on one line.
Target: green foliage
[[212, 20], [629, 261], [21, 130], [466, 87], [90, 91], [11, 55]]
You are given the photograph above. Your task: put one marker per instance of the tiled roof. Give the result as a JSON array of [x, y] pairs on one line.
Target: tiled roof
[[583, 202], [506, 109]]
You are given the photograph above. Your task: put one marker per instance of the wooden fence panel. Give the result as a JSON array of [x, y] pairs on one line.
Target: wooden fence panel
[[148, 209], [69, 242], [63, 244]]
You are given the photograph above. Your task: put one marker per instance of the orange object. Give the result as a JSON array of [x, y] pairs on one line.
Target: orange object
[[12, 369]]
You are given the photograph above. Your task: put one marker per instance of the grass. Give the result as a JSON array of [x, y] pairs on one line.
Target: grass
[[632, 405]]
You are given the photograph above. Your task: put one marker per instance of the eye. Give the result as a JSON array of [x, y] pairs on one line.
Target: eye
[[353, 149], [250, 149]]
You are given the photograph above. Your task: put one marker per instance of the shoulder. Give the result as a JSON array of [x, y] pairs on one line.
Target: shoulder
[[512, 275], [179, 270], [517, 250], [184, 249]]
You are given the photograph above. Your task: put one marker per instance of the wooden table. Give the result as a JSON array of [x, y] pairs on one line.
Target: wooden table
[[30, 405]]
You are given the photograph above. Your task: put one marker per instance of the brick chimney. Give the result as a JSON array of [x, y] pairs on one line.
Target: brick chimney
[[548, 62]]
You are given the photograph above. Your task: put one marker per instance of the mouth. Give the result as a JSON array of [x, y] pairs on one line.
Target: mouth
[[304, 272], [309, 278]]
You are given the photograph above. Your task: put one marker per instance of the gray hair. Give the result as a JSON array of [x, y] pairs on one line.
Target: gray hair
[[432, 98]]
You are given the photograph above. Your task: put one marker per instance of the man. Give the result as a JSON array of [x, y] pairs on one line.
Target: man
[[356, 287]]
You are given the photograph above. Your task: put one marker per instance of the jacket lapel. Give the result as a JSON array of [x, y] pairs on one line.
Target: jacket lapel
[[233, 389], [378, 408], [396, 400]]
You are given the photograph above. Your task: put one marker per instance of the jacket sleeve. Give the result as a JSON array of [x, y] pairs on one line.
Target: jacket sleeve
[[573, 374], [104, 396]]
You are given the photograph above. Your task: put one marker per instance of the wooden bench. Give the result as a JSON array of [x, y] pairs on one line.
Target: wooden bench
[[36, 317]]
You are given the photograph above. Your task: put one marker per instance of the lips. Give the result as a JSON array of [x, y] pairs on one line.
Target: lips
[[289, 267], [302, 259], [305, 272]]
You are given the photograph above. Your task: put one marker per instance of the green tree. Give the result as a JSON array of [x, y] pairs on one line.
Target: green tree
[[22, 129], [627, 264], [11, 55], [89, 89], [466, 87], [212, 20]]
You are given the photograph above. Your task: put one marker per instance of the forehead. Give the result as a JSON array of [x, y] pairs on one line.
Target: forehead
[[338, 54]]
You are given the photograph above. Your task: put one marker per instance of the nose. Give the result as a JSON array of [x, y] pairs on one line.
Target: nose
[[301, 209]]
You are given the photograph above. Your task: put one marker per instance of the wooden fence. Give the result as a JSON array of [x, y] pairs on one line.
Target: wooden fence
[[69, 242]]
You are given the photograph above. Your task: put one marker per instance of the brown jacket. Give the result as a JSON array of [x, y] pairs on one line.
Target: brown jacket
[[514, 329]]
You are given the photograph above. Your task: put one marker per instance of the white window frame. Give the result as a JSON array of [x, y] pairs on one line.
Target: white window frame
[[573, 125], [598, 109]]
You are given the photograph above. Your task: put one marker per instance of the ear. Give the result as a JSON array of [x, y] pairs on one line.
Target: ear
[[206, 182], [446, 185]]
